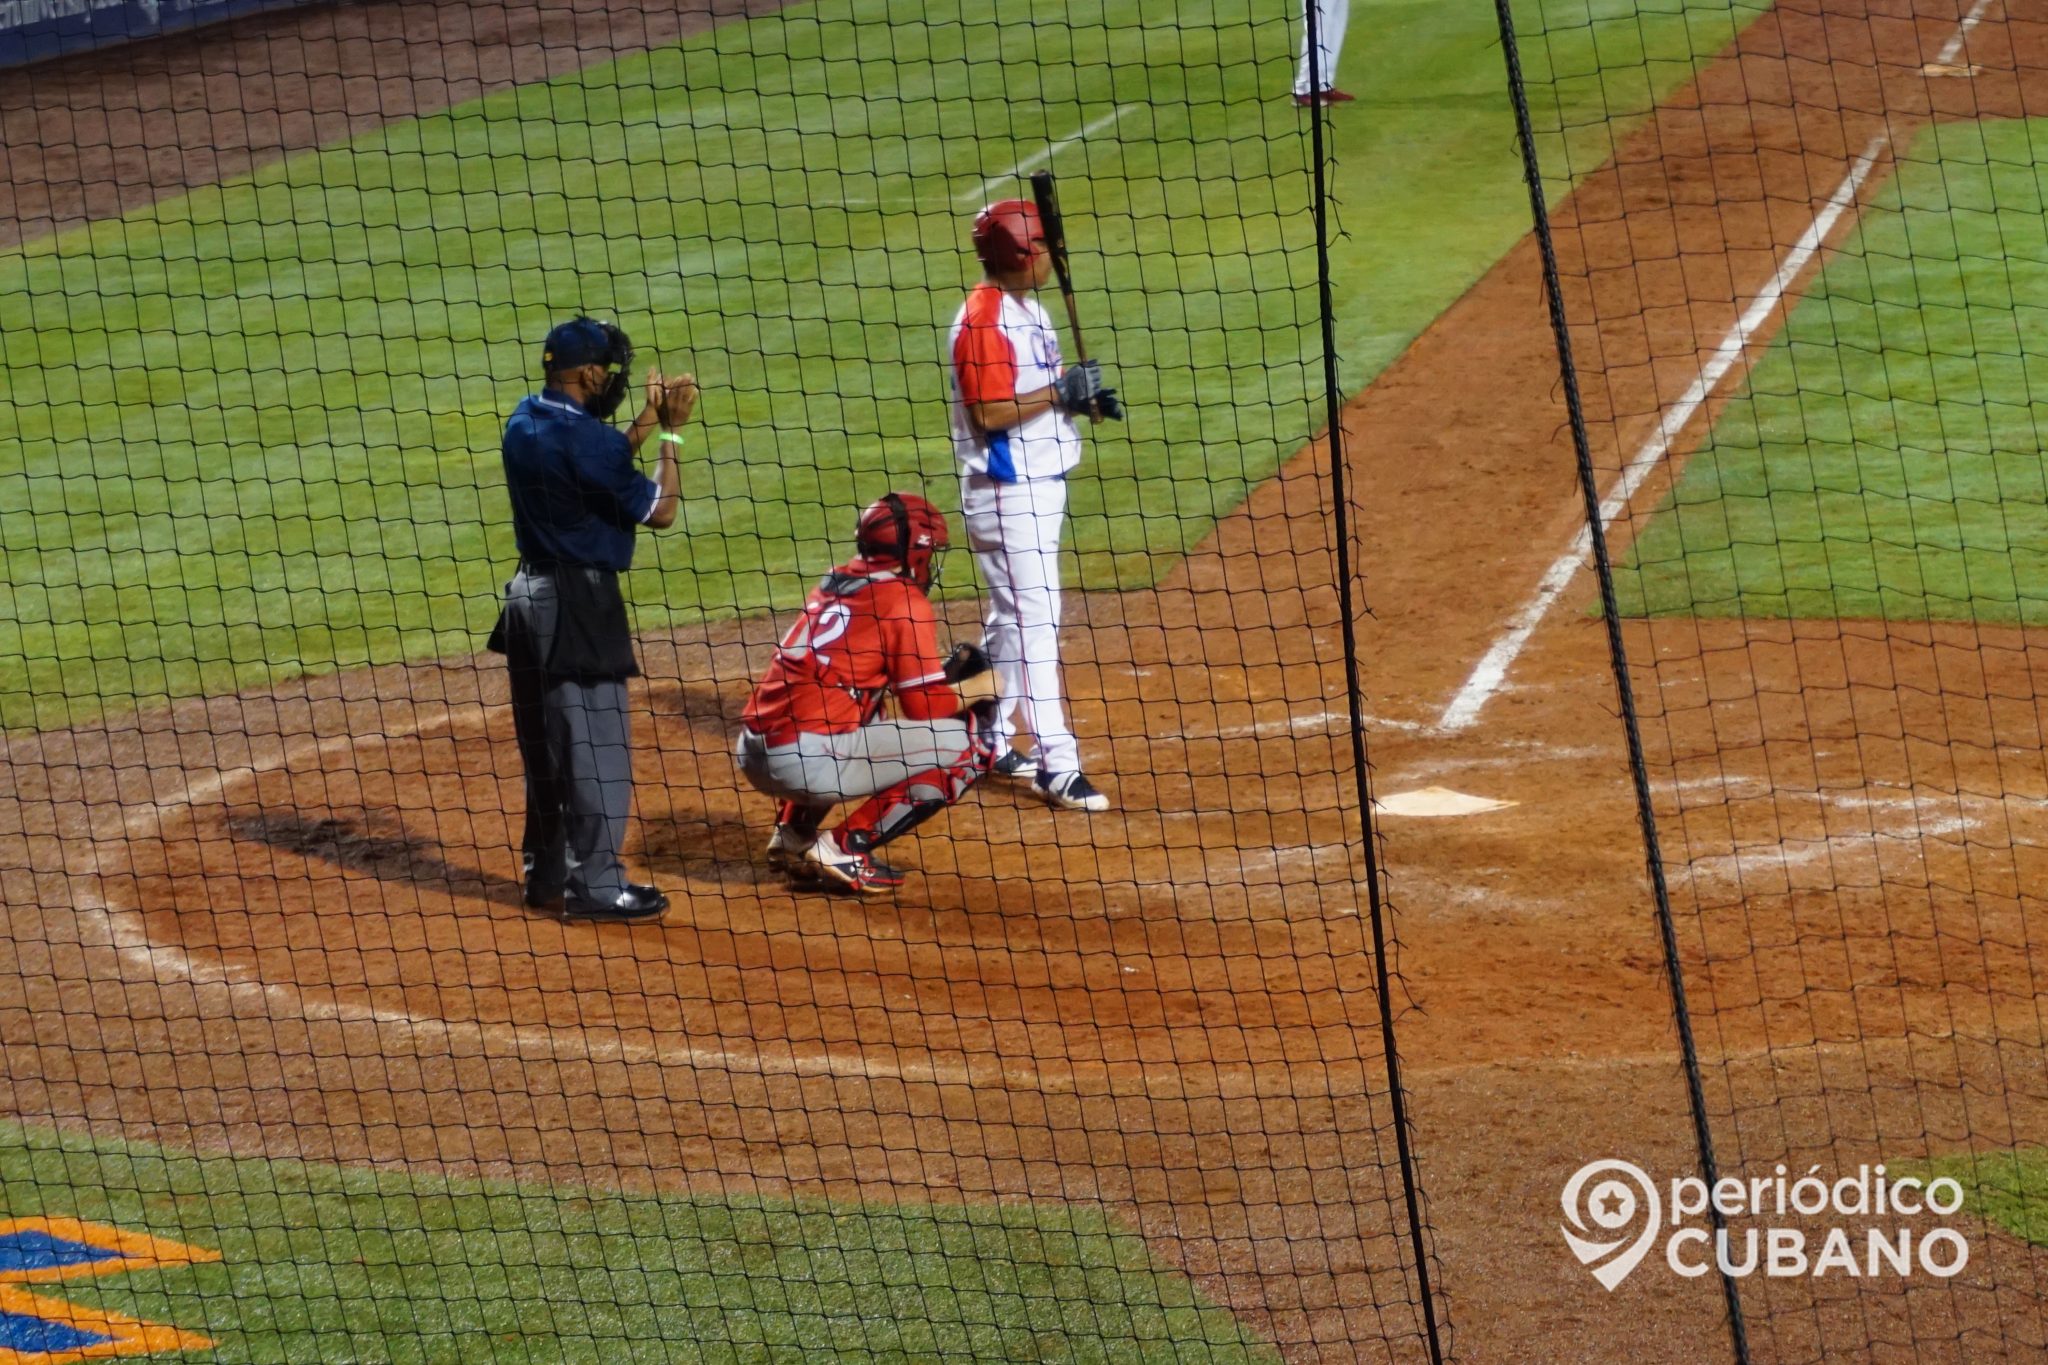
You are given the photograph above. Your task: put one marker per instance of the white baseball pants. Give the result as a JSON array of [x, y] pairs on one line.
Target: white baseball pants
[[1014, 530], [1331, 16]]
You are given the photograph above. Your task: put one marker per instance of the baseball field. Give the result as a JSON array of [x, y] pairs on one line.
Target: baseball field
[[1089, 1088]]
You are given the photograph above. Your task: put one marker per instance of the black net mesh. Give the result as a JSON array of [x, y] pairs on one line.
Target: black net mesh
[[300, 1059], [1804, 287]]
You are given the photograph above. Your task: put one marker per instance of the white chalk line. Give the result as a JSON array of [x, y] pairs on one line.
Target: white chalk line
[[1953, 48], [1897, 816], [578, 1044], [1491, 672], [167, 963], [1319, 723], [1039, 158]]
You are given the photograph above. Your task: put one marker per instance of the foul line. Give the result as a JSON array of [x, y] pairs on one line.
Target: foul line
[[1492, 669], [1953, 48], [1037, 159]]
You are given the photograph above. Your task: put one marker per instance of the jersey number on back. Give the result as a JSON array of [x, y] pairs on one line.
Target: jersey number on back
[[819, 626]]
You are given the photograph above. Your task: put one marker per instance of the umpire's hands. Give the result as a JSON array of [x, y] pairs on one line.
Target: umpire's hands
[[678, 400]]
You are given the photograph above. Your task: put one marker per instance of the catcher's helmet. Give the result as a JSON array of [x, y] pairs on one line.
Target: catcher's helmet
[[902, 529], [1006, 233]]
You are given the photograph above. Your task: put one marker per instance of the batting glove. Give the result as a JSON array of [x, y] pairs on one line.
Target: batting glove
[[1078, 386]]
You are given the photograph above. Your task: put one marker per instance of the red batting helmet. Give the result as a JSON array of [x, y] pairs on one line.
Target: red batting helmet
[[902, 529], [1006, 233]]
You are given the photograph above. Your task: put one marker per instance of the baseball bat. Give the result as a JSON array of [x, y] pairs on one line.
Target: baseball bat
[[1055, 228]]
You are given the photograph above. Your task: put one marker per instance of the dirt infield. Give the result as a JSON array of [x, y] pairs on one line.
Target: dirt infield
[[288, 922]]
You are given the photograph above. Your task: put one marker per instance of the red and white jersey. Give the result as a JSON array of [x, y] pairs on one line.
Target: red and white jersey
[[1002, 346], [863, 632]]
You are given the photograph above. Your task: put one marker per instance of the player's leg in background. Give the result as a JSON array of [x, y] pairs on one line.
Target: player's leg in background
[[1033, 516], [981, 509], [1331, 17]]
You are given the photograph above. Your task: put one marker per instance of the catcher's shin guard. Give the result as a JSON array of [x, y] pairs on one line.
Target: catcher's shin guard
[[895, 811]]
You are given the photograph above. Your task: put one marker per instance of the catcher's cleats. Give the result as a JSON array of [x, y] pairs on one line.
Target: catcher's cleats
[[786, 849], [850, 868]]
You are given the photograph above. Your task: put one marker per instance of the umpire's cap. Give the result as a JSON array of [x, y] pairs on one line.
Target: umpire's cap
[[583, 341]]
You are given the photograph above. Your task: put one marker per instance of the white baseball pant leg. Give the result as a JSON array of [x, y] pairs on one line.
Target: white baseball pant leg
[[1014, 530], [1331, 16]]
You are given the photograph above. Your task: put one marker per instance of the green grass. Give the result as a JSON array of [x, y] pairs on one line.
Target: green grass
[[330, 1263], [1886, 457], [251, 431], [1591, 67], [2009, 1188]]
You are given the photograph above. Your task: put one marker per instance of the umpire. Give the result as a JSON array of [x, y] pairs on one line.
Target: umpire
[[577, 497]]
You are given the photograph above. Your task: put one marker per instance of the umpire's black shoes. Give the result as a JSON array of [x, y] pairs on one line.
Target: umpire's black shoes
[[634, 905]]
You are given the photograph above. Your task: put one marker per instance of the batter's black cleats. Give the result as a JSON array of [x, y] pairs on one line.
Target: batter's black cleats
[[1070, 791], [1013, 763]]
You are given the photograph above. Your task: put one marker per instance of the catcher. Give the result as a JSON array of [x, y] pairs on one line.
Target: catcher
[[814, 731]]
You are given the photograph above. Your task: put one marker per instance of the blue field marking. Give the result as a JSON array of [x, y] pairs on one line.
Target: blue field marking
[[27, 1335], [42, 1251], [34, 1249]]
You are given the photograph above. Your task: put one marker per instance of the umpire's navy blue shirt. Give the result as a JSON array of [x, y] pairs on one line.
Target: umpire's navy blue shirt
[[576, 492]]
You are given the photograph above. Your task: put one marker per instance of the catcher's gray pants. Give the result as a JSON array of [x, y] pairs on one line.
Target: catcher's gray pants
[[823, 770], [574, 742]]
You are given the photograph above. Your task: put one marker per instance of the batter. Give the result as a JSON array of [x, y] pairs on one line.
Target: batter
[[1014, 436]]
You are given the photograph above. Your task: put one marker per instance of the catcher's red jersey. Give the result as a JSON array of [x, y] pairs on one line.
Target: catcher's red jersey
[[861, 634]]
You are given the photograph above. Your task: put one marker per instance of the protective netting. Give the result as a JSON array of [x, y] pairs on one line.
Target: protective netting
[[292, 1068], [1805, 289]]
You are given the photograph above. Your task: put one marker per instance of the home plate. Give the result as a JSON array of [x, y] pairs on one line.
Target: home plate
[[1438, 801], [1948, 69]]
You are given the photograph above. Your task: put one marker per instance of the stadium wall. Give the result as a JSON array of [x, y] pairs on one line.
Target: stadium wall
[[31, 30]]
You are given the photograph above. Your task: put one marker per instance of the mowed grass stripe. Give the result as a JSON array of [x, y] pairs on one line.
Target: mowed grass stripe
[[2008, 1188], [332, 1263], [1885, 458], [252, 431]]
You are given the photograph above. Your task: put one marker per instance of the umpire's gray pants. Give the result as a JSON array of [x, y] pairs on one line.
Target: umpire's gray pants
[[574, 740], [822, 770]]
